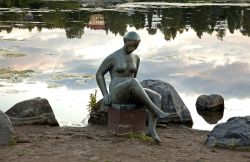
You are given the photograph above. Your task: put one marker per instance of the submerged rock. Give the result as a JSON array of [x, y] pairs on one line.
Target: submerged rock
[[234, 133], [6, 129], [33, 111], [212, 102]]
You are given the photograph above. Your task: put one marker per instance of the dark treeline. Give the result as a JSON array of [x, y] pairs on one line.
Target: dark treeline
[[36, 4], [170, 21], [75, 3]]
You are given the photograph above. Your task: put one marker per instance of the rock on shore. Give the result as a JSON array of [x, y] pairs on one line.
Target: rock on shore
[[6, 129], [33, 111], [232, 134]]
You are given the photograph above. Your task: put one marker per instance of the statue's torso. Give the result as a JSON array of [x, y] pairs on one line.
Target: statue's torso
[[124, 67]]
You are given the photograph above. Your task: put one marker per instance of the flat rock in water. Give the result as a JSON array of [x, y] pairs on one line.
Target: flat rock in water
[[6, 129], [33, 111], [235, 133]]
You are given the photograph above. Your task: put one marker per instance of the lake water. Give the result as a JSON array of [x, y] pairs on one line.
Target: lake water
[[53, 50]]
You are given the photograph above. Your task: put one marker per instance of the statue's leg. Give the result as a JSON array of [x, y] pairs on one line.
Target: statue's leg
[[121, 93], [142, 97], [154, 97], [152, 119], [151, 127], [124, 90]]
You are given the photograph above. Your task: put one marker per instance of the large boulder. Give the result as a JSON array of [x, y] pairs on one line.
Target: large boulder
[[235, 133], [33, 111], [171, 102], [6, 129], [212, 102]]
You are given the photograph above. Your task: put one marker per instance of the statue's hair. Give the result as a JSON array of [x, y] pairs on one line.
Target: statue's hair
[[131, 36]]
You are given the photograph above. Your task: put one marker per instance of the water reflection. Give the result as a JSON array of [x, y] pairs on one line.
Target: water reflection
[[36, 4], [211, 117], [199, 50], [102, 3], [96, 22], [170, 21]]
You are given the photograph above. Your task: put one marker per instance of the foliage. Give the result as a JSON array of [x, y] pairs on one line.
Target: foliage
[[92, 100]]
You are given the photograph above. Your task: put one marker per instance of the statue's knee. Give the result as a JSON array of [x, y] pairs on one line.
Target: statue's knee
[[135, 81], [158, 96], [157, 100]]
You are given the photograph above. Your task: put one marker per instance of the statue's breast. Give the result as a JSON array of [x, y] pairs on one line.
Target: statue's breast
[[125, 67], [120, 67]]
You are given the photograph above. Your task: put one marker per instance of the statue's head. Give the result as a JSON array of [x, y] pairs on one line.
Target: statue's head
[[131, 36], [131, 41]]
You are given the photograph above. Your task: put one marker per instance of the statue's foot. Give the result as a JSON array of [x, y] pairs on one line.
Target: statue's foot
[[154, 135], [163, 115]]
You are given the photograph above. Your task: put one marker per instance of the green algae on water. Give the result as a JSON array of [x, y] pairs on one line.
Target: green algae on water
[[14, 75], [10, 54]]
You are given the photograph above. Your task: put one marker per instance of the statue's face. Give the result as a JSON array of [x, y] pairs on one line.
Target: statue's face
[[131, 45]]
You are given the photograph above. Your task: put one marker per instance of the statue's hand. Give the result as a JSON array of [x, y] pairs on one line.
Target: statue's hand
[[107, 99]]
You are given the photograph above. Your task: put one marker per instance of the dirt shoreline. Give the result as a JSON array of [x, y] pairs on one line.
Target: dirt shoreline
[[91, 143]]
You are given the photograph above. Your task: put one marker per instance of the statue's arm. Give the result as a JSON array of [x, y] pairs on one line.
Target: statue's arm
[[102, 70], [137, 65]]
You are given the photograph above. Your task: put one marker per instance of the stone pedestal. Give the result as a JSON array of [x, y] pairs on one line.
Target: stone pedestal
[[121, 121]]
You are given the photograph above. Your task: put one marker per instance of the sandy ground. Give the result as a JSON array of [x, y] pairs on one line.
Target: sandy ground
[[59, 144]]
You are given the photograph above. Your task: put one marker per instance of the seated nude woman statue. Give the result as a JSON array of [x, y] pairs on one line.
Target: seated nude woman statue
[[124, 88]]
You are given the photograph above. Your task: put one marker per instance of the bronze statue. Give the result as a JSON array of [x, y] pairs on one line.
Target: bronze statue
[[124, 88]]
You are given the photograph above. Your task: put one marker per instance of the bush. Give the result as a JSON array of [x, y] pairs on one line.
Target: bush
[[92, 101]]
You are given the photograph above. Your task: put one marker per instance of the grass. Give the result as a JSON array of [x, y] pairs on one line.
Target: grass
[[13, 141], [139, 135]]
